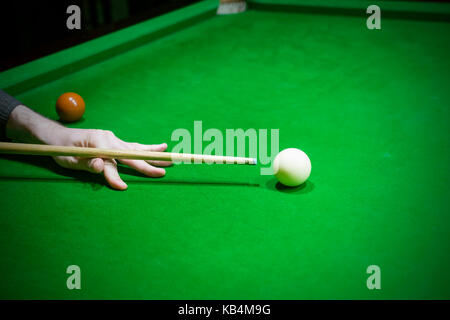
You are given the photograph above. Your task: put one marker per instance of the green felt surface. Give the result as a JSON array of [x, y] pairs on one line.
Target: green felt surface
[[369, 107]]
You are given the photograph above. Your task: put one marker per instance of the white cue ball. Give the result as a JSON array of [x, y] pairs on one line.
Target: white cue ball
[[292, 167]]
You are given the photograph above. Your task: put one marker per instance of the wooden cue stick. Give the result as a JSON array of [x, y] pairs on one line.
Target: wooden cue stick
[[49, 150]]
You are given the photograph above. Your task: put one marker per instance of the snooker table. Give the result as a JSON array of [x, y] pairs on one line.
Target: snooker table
[[370, 107]]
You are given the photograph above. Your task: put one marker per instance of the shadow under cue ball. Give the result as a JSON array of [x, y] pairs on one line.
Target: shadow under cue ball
[[70, 107], [292, 167]]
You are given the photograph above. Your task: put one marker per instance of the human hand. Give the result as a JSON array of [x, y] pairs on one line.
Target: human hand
[[25, 125], [92, 138]]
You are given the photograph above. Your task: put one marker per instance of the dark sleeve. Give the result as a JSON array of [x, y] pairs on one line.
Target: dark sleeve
[[7, 105]]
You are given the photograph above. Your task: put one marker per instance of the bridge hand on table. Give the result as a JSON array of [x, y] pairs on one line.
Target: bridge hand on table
[[25, 125]]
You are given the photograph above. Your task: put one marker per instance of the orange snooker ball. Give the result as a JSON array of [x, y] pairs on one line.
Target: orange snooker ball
[[70, 107]]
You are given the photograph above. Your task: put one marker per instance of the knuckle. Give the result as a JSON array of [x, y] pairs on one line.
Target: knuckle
[[104, 133], [109, 133]]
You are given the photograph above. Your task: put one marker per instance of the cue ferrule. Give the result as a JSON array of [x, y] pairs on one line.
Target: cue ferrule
[[54, 151]]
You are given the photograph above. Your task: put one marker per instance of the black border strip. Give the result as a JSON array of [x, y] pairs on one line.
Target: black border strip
[[278, 309]]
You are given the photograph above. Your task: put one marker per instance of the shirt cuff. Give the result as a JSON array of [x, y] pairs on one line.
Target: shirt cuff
[[7, 105]]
